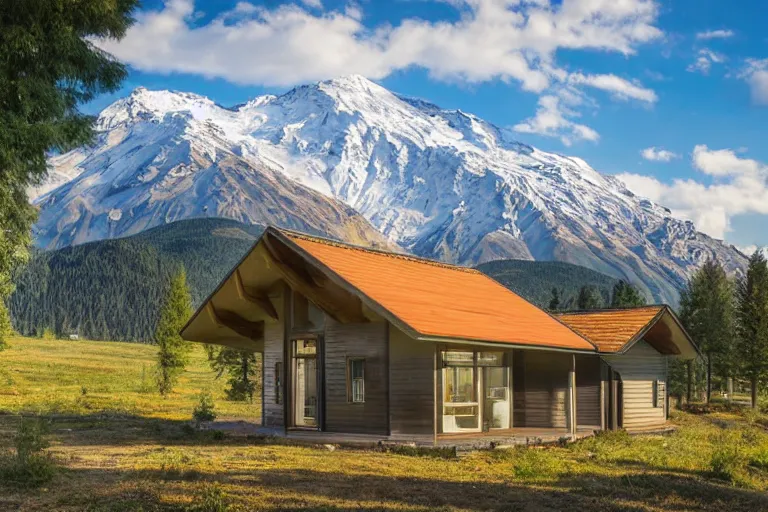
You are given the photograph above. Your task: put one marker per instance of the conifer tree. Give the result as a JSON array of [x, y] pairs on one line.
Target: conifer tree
[[48, 67], [707, 313], [589, 298], [752, 316], [172, 350], [243, 368], [554, 303], [626, 296], [5, 326]]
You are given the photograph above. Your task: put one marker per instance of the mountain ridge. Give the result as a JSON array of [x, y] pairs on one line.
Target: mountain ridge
[[442, 184]]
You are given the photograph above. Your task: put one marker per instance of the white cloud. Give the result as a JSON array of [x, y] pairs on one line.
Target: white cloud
[[552, 120], [617, 86], [755, 74], [715, 34], [491, 39], [704, 61], [655, 154], [749, 250], [740, 186], [314, 4]]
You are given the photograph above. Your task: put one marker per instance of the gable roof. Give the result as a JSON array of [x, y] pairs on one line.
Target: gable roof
[[435, 300], [616, 330]]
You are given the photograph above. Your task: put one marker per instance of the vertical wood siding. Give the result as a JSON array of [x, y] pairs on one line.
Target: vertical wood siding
[[639, 368], [411, 380], [540, 381], [587, 391], [367, 341], [273, 353]]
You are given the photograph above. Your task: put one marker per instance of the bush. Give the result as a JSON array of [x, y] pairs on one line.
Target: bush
[[204, 410], [29, 465], [726, 459], [759, 460]]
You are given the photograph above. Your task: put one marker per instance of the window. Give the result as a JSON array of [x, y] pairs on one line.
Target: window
[[658, 393], [356, 375], [279, 382]]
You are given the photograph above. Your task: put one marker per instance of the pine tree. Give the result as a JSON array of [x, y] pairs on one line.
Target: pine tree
[[626, 296], [554, 303], [243, 368], [6, 328], [48, 67], [707, 313], [589, 298], [752, 328], [172, 349]]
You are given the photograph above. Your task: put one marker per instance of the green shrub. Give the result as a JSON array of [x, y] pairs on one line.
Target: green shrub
[[726, 459], [204, 410], [760, 459], [29, 465], [211, 499]]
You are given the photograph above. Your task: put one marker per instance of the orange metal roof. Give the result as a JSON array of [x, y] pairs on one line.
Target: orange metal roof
[[610, 330], [441, 300]]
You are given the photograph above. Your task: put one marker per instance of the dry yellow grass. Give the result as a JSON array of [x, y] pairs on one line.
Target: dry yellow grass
[[147, 460]]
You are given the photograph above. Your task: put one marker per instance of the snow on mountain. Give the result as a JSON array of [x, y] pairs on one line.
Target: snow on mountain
[[439, 183]]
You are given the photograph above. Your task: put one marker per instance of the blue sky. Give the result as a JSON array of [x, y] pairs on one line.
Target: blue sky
[[671, 96]]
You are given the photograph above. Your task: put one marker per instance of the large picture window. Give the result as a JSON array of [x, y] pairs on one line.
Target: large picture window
[[475, 391]]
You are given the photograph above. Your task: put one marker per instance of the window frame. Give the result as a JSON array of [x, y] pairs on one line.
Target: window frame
[[278, 382], [351, 380]]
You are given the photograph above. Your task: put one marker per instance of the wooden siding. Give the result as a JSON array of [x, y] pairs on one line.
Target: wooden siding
[[411, 381], [273, 353], [587, 391], [639, 368], [540, 388], [367, 341]]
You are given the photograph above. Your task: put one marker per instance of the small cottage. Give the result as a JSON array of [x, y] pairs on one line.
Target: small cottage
[[366, 343]]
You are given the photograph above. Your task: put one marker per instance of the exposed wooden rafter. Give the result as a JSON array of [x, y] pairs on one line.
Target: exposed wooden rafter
[[254, 296], [235, 322], [339, 304]]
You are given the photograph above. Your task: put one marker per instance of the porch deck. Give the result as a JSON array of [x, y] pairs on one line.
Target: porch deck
[[469, 441]]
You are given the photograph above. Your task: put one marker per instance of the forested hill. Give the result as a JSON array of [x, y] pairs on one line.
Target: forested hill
[[112, 289], [535, 280]]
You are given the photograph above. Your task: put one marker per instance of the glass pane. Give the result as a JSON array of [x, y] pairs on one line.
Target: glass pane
[[459, 384], [453, 358], [490, 359], [306, 347], [496, 395], [356, 370], [306, 392], [358, 393]]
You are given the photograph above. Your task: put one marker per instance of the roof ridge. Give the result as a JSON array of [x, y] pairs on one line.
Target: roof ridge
[[346, 245], [610, 310]]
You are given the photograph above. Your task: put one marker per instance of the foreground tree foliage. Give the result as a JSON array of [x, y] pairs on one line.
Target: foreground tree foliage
[[48, 66], [626, 296], [707, 313], [172, 350], [243, 368], [752, 315], [5, 325]]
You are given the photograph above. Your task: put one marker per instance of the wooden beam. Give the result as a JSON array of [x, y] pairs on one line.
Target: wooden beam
[[302, 281], [236, 323], [254, 296]]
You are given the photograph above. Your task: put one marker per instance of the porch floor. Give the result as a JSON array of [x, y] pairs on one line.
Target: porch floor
[[469, 441]]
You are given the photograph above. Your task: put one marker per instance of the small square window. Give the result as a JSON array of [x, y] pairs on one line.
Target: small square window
[[356, 377]]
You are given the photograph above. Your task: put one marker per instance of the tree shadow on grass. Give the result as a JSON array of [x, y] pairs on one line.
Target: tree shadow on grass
[[306, 489]]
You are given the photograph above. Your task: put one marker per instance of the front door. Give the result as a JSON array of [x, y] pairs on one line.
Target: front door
[[305, 383]]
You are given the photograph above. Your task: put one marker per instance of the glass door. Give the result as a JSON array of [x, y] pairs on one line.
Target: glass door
[[305, 384], [461, 408], [496, 404]]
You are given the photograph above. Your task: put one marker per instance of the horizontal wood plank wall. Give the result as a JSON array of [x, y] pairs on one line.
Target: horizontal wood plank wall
[[587, 391], [273, 353], [639, 368], [411, 381], [545, 388], [367, 341]]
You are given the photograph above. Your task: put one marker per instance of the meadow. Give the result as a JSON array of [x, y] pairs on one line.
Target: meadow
[[119, 446]]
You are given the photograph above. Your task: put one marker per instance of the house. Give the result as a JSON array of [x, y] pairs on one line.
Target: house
[[360, 342]]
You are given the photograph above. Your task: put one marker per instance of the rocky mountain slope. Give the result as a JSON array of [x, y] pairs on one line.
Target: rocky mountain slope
[[439, 183]]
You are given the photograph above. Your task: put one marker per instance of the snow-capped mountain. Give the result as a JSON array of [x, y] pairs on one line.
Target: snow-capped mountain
[[439, 183]]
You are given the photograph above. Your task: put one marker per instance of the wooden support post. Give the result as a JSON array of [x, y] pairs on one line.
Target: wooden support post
[[614, 401], [572, 418]]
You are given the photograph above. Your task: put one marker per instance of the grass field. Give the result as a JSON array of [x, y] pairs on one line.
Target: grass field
[[121, 447]]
